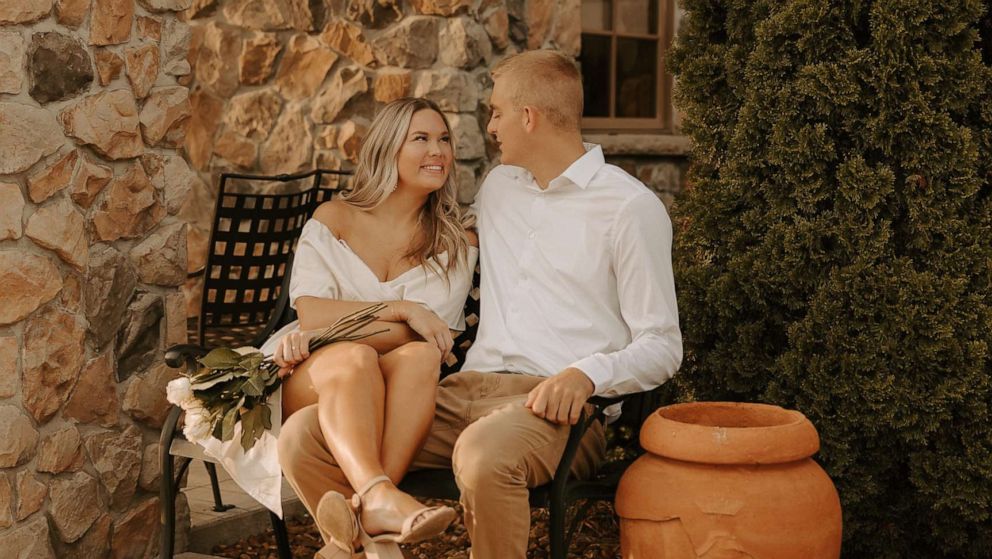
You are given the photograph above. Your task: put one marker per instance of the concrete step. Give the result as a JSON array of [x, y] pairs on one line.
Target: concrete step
[[237, 524]]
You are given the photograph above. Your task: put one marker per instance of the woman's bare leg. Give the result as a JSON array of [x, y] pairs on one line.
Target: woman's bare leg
[[411, 374], [350, 397]]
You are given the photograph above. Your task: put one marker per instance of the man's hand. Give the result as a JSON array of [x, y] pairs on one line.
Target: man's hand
[[560, 398]]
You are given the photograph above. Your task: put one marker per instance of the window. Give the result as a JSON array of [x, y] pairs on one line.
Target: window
[[623, 64]]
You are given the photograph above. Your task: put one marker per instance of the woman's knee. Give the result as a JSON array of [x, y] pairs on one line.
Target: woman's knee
[[420, 359], [421, 351], [343, 361]]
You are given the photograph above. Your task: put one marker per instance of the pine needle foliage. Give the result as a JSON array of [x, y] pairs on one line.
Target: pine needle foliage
[[833, 249]]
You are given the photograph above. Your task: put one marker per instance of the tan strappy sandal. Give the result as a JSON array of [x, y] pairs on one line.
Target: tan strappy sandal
[[335, 517], [420, 525]]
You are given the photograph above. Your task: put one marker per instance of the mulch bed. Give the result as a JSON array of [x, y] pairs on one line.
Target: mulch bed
[[596, 537]]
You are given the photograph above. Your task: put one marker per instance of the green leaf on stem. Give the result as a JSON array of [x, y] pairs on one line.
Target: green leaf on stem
[[221, 358]]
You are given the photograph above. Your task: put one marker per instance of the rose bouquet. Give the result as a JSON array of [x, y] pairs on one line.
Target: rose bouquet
[[233, 386]]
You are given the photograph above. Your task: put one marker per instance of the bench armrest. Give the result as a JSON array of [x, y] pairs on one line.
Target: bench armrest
[[184, 355]]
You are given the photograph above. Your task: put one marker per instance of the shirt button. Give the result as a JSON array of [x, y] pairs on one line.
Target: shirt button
[[530, 235], [511, 367]]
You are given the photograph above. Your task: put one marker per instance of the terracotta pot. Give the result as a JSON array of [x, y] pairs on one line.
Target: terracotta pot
[[728, 480]]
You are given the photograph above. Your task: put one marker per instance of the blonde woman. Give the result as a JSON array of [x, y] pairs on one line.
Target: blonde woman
[[398, 238]]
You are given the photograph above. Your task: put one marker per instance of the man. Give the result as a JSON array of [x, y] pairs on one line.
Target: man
[[578, 299]]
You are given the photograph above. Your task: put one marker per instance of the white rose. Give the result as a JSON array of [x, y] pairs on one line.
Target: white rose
[[245, 350], [197, 426], [179, 392]]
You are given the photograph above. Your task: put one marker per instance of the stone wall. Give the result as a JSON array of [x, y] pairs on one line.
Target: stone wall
[[91, 256], [285, 85]]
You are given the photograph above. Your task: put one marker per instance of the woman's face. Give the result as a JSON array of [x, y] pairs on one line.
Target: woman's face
[[425, 159]]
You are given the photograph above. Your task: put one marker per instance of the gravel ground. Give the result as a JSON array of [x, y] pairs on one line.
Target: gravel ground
[[597, 537]]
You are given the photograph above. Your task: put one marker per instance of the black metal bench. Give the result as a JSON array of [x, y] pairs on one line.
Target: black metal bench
[[245, 300]]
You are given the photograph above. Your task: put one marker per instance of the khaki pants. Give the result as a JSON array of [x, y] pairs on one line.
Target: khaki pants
[[496, 447]]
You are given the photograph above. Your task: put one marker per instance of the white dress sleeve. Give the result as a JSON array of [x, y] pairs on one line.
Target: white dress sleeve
[[314, 265]]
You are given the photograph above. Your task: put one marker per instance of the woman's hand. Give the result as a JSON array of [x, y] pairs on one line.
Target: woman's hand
[[428, 325], [293, 349]]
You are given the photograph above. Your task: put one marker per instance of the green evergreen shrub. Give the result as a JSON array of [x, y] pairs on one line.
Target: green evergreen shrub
[[833, 249]]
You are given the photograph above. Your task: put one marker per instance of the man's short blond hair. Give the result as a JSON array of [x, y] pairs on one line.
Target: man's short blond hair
[[546, 80]]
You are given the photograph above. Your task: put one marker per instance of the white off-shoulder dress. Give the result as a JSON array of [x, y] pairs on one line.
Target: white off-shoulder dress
[[326, 267]]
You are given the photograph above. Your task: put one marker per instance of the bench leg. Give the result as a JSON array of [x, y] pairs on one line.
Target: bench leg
[[282, 536], [219, 505], [559, 545], [168, 486]]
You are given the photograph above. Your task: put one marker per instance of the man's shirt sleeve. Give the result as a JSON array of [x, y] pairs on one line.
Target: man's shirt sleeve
[[642, 260]]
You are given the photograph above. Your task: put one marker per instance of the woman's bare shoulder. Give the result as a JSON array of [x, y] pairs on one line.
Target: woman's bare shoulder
[[473, 237], [336, 215]]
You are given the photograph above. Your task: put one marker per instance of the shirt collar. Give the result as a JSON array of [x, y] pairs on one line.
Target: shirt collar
[[582, 170]]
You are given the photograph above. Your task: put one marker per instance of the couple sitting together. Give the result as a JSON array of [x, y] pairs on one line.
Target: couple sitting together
[[577, 300]]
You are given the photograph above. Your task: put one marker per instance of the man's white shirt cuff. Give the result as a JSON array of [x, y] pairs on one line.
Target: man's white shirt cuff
[[597, 371]]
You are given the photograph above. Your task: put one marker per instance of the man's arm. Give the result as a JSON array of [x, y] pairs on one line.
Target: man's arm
[[642, 258]]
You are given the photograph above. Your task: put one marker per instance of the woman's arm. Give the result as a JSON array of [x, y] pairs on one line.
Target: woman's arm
[[405, 321]]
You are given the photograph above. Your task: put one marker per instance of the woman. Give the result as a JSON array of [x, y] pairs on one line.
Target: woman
[[398, 238]]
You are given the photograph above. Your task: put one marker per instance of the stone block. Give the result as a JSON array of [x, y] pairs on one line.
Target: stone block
[[30, 539], [61, 451], [129, 208], [269, 15], [258, 58], [27, 281], [106, 121], [31, 494], [390, 85], [23, 11], [110, 283], [60, 228], [46, 182], [108, 65], [18, 438], [94, 398], [453, 90], [347, 82], [11, 61], [161, 257], [117, 459], [29, 134], [253, 114], [110, 21], [463, 43], [139, 343], [136, 533], [289, 146], [165, 115], [53, 359], [200, 131], [467, 136], [347, 38], [303, 68], [11, 211], [88, 181], [412, 43], [75, 505], [141, 66], [59, 67]]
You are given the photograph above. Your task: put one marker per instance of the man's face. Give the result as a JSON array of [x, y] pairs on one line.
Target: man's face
[[506, 126]]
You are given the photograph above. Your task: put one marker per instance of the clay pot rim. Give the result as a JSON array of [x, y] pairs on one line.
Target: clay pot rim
[[784, 435]]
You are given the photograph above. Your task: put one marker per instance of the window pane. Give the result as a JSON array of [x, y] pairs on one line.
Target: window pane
[[637, 78], [637, 16], [597, 15], [595, 61]]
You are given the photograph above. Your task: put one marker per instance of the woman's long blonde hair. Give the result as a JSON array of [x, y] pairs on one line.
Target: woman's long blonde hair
[[376, 176]]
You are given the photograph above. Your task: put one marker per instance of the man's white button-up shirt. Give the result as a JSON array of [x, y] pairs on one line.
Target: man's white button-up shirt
[[576, 275]]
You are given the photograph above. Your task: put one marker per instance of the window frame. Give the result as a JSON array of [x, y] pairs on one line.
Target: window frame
[[663, 122]]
